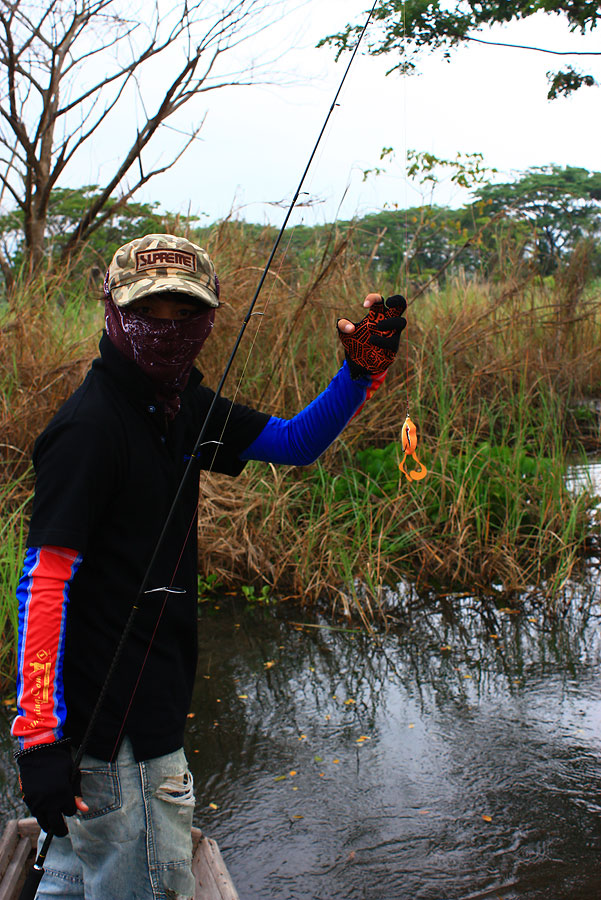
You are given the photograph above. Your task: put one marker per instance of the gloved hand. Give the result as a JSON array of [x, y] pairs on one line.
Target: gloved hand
[[49, 784], [373, 345]]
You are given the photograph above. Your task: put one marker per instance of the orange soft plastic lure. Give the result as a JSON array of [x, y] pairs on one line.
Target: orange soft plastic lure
[[409, 446]]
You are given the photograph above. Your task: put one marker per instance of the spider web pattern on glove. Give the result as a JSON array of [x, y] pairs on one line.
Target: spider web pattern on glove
[[372, 347]]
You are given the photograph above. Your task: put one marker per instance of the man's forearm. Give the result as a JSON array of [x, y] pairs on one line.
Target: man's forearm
[[301, 440], [43, 595]]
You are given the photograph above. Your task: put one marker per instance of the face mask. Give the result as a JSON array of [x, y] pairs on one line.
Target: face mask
[[165, 349]]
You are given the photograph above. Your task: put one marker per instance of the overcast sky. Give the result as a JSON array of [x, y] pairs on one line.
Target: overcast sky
[[256, 140]]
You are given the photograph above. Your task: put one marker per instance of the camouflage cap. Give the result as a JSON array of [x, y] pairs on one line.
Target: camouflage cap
[[162, 262]]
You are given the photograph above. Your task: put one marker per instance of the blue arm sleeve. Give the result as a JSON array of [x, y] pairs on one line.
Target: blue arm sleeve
[[301, 440]]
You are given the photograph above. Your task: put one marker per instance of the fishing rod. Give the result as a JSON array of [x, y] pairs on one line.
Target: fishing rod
[[35, 874]]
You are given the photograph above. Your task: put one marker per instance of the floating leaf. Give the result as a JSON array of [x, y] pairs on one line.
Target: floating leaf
[[298, 817], [270, 664], [336, 761], [280, 778], [487, 818], [191, 715], [293, 773], [317, 759], [213, 806], [242, 696], [446, 647], [349, 701], [302, 737], [362, 739]]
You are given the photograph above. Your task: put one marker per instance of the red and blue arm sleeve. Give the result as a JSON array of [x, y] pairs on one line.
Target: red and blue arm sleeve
[[43, 595], [301, 440]]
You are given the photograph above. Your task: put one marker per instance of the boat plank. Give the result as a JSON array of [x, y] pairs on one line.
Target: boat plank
[[29, 828], [8, 842], [14, 875], [212, 879]]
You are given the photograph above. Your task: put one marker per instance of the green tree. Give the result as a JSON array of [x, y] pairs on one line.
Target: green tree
[[413, 245], [404, 28], [410, 245], [538, 220], [122, 221], [561, 206]]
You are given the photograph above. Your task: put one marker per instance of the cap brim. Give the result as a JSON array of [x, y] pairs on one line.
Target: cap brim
[[127, 294]]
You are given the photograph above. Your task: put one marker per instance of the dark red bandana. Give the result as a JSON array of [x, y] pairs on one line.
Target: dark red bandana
[[165, 349]]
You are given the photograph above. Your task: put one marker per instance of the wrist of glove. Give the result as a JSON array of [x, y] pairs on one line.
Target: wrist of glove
[[49, 784], [373, 345]]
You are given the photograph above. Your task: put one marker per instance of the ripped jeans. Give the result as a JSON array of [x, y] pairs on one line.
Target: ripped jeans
[[135, 842]]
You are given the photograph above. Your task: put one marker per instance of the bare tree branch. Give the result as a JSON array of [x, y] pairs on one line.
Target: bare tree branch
[[95, 220], [53, 101], [476, 40]]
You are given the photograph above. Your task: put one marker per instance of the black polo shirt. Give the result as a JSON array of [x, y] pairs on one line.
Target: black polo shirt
[[107, 471]]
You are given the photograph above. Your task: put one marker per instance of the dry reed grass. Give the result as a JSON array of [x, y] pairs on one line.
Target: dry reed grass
[[483, 362]]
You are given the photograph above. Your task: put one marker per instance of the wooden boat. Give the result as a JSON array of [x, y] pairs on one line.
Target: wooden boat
[[17, 854]]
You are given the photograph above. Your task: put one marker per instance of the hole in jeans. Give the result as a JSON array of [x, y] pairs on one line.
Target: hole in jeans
[[177, 789]]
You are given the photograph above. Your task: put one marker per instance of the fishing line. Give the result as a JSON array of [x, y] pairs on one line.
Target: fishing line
[[406, 167], [36, 872], [408, 430]]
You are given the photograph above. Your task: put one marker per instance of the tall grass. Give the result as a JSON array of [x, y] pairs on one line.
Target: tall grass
[[48, 337], [12, 548], [495, 374]]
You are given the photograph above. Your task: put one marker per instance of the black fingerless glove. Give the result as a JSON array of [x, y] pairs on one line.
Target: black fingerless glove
[[49, 784], [373, 345]]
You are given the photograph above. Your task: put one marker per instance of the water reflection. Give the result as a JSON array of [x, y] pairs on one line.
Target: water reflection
[[586, 478], [459, 756]]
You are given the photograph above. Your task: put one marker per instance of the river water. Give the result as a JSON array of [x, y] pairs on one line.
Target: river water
[[455, 757], [459, 757]]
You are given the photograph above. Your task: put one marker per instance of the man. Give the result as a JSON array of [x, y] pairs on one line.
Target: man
[[108, 467]]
